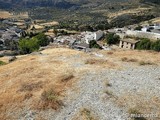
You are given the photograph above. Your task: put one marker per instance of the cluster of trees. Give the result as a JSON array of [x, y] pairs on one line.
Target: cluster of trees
[[112, 38], [28, 45], [146, 44]]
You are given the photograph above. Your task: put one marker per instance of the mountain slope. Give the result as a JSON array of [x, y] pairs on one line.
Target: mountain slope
[[52, 3]]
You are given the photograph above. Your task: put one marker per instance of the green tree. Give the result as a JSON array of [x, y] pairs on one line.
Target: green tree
[[93, 44], [144, 44], [42, 39], [28, 45], [156, 46], [112, 38]]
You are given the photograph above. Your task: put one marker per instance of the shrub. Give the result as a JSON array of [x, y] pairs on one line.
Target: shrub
[[87, 114], [42, 39], [33, 44], [125, 59], [2, 63], [156, 46], [28, 45], [144, 44], [112, 38], [66, 77], [50, 99], [146, 63], [93, 44]]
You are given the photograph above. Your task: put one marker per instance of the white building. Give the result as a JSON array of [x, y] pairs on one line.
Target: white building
[[148, 28], [88, 36]]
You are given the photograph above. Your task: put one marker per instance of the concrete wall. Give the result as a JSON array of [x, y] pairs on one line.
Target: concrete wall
[[98, 35], [93, 36], [141, 34]]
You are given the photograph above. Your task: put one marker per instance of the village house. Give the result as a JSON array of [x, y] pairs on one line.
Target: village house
[[10, 35], [128, 43], [88, 36]]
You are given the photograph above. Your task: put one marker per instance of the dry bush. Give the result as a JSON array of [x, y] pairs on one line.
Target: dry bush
[[50, 99], [110, 53], [95, 61], [107, 84], [139, 104], [66, 77], [28, 95], [31, 86], [125, 59], [146, 63], [86, 114], [101, 63]]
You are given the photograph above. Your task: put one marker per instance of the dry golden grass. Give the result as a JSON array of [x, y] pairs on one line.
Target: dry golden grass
[[28, 78], [139, 104], [146, 63], [100, 62], [134, 56], [125, 59], [50, 98], [31, 86], [66, 77], [53, 23], [4, 14], [86, 114]]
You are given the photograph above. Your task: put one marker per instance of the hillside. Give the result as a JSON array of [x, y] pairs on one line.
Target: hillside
[[51, 3], [63, 3], [61, 83]]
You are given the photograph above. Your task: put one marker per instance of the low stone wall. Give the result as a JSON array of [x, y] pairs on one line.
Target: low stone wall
[[141, 34]]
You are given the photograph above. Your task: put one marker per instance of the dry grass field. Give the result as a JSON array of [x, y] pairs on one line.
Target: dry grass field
[[4, 14], [135, 11], [39, 82]]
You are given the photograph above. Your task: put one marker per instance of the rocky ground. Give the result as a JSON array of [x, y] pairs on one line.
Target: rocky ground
[[106, 85]]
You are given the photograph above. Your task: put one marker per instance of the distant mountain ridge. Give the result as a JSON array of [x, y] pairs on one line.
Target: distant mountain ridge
[[52, 3], [65, 4]]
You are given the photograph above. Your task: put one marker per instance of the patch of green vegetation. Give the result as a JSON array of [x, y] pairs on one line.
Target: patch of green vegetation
[[2, 63], [112, 38], [93, 44], [28, 45], [146, 44]]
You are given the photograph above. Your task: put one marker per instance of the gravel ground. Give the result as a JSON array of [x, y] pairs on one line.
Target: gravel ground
[[90, 93]]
